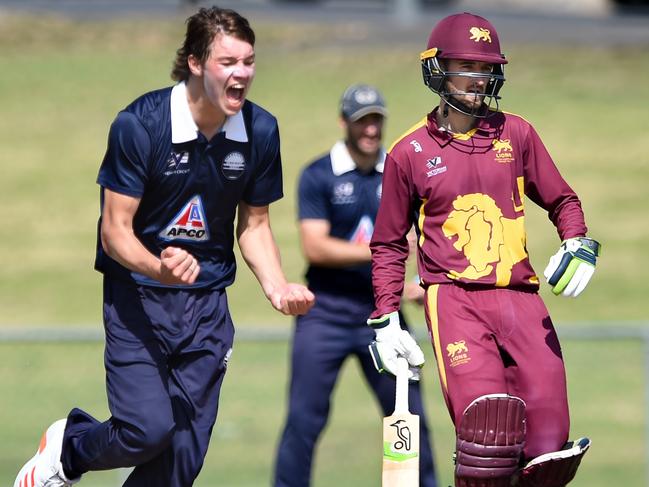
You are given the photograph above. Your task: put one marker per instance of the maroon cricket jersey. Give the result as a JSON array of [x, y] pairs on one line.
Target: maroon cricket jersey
[[465, 195]]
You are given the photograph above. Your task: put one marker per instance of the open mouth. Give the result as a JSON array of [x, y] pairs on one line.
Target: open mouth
[[235, 93]]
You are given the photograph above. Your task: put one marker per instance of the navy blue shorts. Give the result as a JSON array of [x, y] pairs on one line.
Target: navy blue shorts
[[165, 357]]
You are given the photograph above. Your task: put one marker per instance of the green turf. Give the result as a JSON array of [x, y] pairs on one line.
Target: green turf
[[63, 82], [41, 382]]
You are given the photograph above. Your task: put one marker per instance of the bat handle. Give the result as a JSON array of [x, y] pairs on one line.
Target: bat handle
[[401, 395]]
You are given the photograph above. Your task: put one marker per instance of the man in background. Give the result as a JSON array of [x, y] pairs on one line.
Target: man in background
[[338, 199]]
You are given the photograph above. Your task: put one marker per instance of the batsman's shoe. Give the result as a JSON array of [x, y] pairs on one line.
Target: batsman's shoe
[[45, 469], [554, 469]]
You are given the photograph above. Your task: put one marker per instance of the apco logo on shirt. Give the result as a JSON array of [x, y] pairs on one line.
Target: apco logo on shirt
[[189, 224], [364, 231], [233, 165], [178, 163]]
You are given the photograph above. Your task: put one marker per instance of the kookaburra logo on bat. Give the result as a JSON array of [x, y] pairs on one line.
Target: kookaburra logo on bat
[[403, 432]]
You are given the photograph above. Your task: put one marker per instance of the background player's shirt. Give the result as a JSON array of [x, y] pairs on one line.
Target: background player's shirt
[[465, 195], [189, 187], [333, 189]]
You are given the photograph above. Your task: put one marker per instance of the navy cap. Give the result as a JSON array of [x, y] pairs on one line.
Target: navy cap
[[360, 100]]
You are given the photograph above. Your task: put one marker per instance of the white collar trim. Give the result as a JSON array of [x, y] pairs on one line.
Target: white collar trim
[[342, 162], [183, 127], [235, 128]]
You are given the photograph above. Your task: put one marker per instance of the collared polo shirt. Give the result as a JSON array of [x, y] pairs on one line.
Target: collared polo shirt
[[332, 188], [189, 188]]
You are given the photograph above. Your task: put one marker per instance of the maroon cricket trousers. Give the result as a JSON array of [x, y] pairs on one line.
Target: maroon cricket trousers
[[490, 341]]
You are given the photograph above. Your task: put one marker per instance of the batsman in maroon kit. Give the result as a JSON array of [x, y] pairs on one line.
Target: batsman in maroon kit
[[463, 175]]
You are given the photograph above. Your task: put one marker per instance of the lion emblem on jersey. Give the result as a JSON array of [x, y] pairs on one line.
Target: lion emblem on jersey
[[456, 347], [487, 239], [502, 145], [479, 34]]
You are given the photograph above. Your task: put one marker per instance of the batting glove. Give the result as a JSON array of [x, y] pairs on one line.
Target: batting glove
[[570, 269], [393, 342]]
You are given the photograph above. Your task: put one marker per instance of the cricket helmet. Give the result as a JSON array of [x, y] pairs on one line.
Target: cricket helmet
[[465, 37]]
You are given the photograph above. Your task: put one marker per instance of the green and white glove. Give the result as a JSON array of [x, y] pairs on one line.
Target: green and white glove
[[571, 268], [393, 342]]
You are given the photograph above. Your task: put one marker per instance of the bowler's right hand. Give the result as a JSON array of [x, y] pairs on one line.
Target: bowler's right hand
[[177, 266], [292, 299], [393, 342]]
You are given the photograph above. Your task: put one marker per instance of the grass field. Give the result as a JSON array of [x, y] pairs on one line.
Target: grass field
[[252, 412], [62, 83]]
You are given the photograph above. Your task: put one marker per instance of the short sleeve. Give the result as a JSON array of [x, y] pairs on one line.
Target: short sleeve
[[124, 168], [265, 186], [312, 198]]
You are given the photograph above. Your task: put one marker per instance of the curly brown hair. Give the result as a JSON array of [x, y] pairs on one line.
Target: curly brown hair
[[202, 28]]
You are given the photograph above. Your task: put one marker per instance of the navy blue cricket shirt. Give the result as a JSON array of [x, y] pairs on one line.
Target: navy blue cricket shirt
[[189, 187], [332, 188]]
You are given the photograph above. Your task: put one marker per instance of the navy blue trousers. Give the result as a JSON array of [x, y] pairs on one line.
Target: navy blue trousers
[[319, 350], [165, 357]]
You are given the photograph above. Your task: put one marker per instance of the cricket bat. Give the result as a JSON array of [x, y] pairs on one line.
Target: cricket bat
[[401, 438]]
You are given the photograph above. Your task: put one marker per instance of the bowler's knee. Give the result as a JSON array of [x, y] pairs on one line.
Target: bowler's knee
[[148, 439]]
